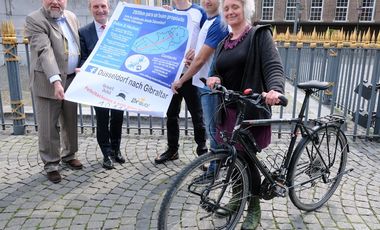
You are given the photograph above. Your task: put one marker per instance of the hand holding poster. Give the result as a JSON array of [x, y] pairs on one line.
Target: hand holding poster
[[135, 61]]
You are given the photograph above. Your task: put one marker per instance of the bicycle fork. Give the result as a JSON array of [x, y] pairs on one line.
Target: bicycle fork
[[215, 204]]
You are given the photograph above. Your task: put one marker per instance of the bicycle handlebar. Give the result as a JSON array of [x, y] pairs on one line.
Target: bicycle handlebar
[[230, 95]]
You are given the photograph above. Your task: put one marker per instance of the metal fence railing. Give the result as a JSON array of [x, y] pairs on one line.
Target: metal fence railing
[[349, 63], [353, 72]]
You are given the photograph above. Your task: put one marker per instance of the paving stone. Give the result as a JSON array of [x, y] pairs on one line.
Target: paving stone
[[63, 223], [344, 225], [3, 223], [48, 222], [78, 227], [98, 217], [6, 216], [285, 226], [81, 219], [111, 224], [95, 225], [16, 221], [360, 226], [327, 223], [87, 210], [69, 213], [32, 223]]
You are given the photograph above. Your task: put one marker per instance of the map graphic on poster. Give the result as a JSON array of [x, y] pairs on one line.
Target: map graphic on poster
[[135, 61], [161, 41]]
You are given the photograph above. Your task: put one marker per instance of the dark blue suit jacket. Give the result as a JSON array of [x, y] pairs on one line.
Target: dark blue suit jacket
[[88, 39]]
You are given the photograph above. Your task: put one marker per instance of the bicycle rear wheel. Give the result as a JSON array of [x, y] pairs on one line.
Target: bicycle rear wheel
[[317, 167], [194, 196]]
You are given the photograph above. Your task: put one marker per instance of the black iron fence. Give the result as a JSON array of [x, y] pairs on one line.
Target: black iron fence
[[350, 62]]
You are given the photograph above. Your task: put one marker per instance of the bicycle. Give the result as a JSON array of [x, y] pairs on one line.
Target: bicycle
[[310, 171]]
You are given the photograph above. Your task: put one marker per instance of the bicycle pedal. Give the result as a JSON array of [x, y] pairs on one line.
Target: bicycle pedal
[[281, 191]]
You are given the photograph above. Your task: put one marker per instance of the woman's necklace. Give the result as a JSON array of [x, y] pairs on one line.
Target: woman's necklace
[[230, 44]]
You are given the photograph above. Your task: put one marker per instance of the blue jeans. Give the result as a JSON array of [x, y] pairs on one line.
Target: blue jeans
[[209, 107]]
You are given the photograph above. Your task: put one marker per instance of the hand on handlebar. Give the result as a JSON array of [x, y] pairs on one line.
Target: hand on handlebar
[[211, 81], [273, 98]]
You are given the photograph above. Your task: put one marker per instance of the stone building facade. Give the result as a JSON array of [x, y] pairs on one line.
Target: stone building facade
[[321, 14]]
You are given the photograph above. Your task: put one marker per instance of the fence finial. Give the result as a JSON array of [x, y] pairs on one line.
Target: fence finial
[[287, 38], [340, 39], [373, 40], [300, 38], [326, 43], [353, 39], [8, 33], [366, 39], [313, 38]]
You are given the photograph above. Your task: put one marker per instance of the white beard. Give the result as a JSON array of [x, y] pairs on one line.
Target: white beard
[[55, 14]]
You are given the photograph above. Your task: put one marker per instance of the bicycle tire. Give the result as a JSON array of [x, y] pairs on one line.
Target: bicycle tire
[[307, 165], [182, 209]]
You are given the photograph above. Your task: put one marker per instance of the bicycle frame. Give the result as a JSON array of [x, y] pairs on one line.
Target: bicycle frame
[[249, 145]]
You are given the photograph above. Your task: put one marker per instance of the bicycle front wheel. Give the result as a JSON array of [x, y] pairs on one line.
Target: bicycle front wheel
[[317, 167], [195, 196]]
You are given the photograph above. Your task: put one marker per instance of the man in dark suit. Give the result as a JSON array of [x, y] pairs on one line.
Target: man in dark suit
[[54, 43], [108, 137]]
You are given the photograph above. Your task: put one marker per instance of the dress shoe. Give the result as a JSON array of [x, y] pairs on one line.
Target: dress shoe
[[168, 155], [201, 149], [107, 163], [74, 164], [54, 176], [118, 157]]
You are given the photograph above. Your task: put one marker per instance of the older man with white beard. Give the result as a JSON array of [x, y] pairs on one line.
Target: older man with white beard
[[53, 36]]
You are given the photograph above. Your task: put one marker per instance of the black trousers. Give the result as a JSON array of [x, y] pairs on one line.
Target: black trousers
[[192, 98], [109, 125]]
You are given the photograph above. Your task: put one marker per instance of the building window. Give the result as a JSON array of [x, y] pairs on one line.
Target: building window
[[367, 10], [291, 8], [316, 10], [341, 10], [267, 9]]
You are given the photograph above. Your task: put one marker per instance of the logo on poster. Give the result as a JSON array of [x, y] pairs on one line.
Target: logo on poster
[[91, 69], [137, 63], [140, 101]]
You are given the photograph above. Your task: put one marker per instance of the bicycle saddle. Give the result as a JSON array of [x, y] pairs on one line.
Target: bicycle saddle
[[314, 84]]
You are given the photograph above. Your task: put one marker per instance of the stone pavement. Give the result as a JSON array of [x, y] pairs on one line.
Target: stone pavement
[[129, 196]]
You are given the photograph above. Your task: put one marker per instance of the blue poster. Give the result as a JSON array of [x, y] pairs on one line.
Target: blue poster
[[136, 59]]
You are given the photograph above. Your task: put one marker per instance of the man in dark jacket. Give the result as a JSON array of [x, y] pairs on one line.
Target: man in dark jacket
[[108, 132]]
